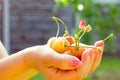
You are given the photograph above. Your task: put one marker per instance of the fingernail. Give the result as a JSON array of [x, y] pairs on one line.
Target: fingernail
[[75, 62]]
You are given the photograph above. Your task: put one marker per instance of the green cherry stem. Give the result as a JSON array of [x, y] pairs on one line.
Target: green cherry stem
[[76, 43], [58, 30], [66, 29], [90, 46], [108, 37], [76, 47], [86, 46], [82, 34]]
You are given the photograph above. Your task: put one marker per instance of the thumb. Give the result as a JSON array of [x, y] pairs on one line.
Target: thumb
[[64, 61]]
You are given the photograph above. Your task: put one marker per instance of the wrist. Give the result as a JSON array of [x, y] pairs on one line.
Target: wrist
[[29, 60], [32, 57]]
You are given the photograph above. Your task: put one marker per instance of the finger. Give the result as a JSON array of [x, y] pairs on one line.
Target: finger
[[99, 44], [87, 61], [98, 54], [67, 52], [63, 61], [97, 60]]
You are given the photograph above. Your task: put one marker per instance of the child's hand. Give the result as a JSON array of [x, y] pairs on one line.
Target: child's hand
[[55, 66], [44, 56]]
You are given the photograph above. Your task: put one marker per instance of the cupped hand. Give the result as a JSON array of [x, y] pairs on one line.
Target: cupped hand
[[55, 66], [67, 67]]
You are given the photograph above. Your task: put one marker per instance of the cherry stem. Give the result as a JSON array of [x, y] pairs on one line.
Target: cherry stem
[[66, 29], [76, 46], [90, 46], [77, 40], [58, 30], [86, 46], [108, 37], [82, 34], [79, 32]]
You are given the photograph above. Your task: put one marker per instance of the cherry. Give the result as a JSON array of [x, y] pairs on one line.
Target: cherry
[[82, 24]]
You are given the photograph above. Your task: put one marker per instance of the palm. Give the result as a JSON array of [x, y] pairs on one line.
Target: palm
[[54, 73]]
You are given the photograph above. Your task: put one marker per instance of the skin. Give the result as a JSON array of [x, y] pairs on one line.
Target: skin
[[24, 76], [97, 60], [25, 66], [52, 65], [3, 51], [70, 74]]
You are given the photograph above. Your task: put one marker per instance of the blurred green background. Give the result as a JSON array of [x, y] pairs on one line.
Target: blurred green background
[[104, 17]]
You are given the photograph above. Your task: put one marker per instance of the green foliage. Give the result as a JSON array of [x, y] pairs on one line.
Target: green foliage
[[62, 3], [104, 19], [108, 69], [38, 76]]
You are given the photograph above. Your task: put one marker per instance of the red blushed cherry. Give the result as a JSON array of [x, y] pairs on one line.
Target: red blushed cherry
[[82, 23], [70, 39]]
